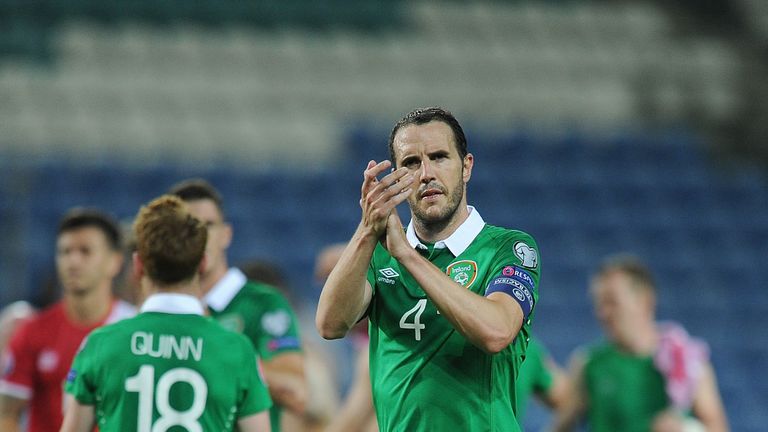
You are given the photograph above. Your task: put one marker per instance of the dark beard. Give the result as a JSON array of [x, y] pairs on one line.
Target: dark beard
[[439, 222]]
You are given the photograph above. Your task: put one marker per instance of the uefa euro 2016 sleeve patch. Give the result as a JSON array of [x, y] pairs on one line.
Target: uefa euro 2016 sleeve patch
[[514, 287]]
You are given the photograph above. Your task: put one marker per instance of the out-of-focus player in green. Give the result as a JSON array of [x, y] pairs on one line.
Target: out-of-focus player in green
[[540, 377], [169, 367], [257, 310], [450, 299], [647, 376]]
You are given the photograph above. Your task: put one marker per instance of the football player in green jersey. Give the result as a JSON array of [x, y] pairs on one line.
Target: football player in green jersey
[[542, 378], [169, 367], [646, 376], [257, 310], [450, 299]]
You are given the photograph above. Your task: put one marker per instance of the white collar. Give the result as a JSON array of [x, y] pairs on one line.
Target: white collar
[[457, 242], [173, 303], [225, 289]]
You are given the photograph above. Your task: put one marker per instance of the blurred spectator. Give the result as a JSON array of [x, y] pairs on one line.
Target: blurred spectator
[[257, 310], [646, 376], [41, 350]]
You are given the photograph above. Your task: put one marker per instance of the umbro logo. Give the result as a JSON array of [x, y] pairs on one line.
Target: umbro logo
[[389, 272]]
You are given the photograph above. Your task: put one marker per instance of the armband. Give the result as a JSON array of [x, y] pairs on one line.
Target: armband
[[514, 288]]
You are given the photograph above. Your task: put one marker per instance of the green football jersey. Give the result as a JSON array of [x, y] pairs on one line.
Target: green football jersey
[[168, 368], [625, 391], [261, 313], [425, 375], [534, 376]]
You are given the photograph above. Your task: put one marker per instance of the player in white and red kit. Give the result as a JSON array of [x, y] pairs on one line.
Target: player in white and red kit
[[37, 360]]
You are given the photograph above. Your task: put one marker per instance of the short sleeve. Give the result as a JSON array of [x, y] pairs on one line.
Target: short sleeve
[[516, 271], [79, 381], [254, 396], [276, 331], [18, 371]]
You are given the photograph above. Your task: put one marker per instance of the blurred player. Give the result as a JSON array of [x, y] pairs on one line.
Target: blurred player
[[449, 300], [169, 367], [257, 310], [39, 355], [11, 317], [322, 396], [540, 377], [647, 376], [356, 413]]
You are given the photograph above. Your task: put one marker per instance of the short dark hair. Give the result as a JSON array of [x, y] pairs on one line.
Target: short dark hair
[[197, 189], [630, 265], [80, 217], [421, 116], [169, 240]]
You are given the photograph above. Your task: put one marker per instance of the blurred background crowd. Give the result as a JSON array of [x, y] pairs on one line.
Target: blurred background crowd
[[597, 127]]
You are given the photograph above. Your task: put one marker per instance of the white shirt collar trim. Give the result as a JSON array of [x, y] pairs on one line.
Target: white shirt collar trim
[[173, 303], [226, 289], [457, 242]]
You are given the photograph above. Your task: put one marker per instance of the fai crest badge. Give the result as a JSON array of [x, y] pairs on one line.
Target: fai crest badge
[[232, 322], [463, 272]]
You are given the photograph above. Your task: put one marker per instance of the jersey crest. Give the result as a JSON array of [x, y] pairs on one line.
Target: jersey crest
[[463, 272], [233, 322]]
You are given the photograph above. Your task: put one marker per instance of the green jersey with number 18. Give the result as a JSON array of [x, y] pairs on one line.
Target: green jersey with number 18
[[425, 374], [168, 368]]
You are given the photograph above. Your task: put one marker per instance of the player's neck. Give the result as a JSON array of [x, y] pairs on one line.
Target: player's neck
[[643, 341], [89, 308], [191, 288], [435, 232], [210, 279]]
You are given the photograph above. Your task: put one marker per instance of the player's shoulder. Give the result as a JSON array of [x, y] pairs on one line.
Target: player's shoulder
[[114, 329], [223, 336], [40, 324], [597, 350], [261, 292], [507, 234]]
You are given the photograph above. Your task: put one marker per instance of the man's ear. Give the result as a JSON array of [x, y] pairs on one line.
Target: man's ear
[[138, 266], [469, 162], [201, 266]]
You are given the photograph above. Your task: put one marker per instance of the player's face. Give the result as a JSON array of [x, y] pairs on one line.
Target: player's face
[[219, 233], [618, 305], [429, 152], [84, 260]]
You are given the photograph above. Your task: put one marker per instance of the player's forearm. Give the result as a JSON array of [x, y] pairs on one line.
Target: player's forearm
[[489, 324], [8, 424], [10, 413], [345, 296], [286, 381]]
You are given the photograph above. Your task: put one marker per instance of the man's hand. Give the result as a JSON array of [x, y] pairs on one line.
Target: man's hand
[[379, 197], [395, 241]]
